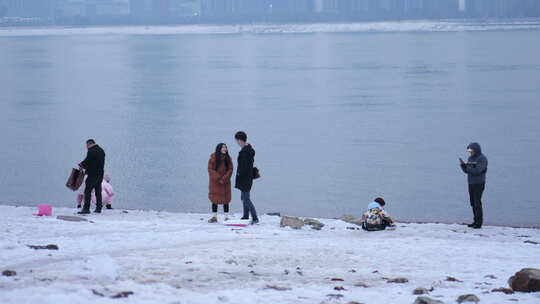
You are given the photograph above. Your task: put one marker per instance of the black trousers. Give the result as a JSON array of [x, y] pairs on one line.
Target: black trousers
[[93, 183], [475, 195], [225, 208]]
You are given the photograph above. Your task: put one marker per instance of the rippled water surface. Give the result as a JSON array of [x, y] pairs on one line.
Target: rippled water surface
[[336, 118]]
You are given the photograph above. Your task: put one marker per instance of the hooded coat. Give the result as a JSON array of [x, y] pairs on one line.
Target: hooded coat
[[244, 173], [476, 166], [219, 189]]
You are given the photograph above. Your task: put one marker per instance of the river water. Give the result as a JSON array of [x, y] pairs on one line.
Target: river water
[[337, 117]]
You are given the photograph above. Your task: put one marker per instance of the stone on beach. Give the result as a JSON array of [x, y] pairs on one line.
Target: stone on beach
[[420, 291], [70, 218], [315, 224], [351, 219], [9, 273], [290, 221], [398, 280], [278, 288], [526, 280], [468, 298], [361, 284], [503, 290], [123, 294], [44, 247], [452, 279], [426, 300]]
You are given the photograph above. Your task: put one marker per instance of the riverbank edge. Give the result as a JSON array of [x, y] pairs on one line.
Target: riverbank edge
[[300, 216]]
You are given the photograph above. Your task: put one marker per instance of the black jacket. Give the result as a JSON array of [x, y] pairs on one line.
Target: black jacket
[[244, 173], [476, 166], [94, 163]]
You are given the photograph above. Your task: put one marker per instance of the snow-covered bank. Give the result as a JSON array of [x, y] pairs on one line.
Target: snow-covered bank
[[287, 28], [180, 258]]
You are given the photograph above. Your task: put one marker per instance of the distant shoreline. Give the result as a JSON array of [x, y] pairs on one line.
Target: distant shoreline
[[397, 26]]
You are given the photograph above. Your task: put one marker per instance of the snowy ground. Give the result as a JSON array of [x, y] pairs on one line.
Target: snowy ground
[[180, 258]]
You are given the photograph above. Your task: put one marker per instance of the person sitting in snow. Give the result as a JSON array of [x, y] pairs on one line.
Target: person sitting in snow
[[107, 193], [376, 218]]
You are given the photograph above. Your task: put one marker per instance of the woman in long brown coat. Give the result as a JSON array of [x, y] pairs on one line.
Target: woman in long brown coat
[[220, 169]]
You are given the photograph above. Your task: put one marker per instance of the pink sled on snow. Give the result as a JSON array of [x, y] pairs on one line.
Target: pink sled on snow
[[236, 223], [44, 210]]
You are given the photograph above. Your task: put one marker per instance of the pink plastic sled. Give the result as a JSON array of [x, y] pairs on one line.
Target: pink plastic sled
[[44, 210], [237, 223]]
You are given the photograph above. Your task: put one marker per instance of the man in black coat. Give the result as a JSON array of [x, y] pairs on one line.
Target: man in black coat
[[476, 169], [244, 175], [94, 165]]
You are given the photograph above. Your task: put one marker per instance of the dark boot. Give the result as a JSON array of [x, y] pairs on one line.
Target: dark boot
[[98, 208], [245, 215], [109, 207], [85, 209]]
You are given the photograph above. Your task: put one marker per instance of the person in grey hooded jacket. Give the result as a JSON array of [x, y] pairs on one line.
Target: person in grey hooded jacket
[[476, 169]]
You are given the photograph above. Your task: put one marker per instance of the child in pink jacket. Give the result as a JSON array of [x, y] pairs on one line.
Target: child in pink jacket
[[106, 193]]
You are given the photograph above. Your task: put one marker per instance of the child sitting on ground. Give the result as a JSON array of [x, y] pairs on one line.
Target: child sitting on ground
[[375, 218]]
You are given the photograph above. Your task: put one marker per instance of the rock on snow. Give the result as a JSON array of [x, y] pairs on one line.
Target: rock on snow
[[527, 280]]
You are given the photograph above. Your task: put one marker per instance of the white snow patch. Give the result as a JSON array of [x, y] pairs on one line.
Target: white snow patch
[[100, 267], [180, 258]]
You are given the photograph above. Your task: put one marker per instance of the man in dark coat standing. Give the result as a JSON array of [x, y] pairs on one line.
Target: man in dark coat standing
[[94, 165], [476, 169], [244, 175]]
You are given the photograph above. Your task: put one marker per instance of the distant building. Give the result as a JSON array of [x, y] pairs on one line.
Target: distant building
[[441, 8], [140, 7], [256, 9], [388, 9], [93, 12], [27, 8], [107, 7], [70, 8], [186, 7], [501, 8], [291, 7], [228, 8], [327, 6], [92, 8], [164, 8]]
